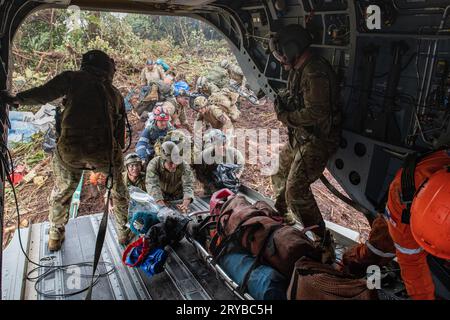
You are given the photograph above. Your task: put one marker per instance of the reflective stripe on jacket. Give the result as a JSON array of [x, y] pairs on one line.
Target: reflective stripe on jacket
[[411, 257]]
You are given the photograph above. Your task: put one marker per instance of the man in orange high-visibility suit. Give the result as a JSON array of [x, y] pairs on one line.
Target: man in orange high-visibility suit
[[422, 226], [418, 222]]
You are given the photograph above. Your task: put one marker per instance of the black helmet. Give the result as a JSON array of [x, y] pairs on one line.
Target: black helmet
[[98, 59], [290, 41]]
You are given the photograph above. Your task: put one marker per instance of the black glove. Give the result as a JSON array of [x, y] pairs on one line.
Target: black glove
[[8, 99], [285, 102]]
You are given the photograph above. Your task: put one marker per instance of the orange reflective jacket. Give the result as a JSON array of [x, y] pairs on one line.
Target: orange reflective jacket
[[411, 257]]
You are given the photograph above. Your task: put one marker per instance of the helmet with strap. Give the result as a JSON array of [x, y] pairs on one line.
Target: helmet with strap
[[290, 42], [160, 114], [430, 215]]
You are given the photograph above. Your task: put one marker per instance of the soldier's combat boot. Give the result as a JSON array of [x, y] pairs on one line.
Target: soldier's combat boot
[[289, 218], [124, 237], [55, 238], [328, 248]]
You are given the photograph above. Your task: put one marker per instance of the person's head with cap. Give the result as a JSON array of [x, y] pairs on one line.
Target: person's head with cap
[[170, 153], [98, 60], [134, 165], [200, 104], [289, 44]]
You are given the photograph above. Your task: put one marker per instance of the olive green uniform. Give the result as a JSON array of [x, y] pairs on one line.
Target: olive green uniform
[[165, 185], [139, 183], [93, 117], [314, 128]]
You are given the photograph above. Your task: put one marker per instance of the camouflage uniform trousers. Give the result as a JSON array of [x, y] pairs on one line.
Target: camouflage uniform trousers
[[66, 182], [299, 167]]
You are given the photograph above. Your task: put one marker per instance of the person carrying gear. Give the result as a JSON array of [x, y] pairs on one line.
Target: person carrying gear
[[175, 106], [157, 128], [134, 175], [92, 137], [152, 76], [211, 115], [176, 136], [203, 86], [217, 151], [169, 178], [417, 214], [234, 72], [226, 100], [310, 110], [218, 76]]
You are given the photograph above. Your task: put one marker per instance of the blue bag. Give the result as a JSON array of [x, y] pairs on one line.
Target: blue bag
[[151, 262], [264, 282], [142, 221]]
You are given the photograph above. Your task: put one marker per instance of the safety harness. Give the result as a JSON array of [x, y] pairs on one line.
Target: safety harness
[[408, 186]]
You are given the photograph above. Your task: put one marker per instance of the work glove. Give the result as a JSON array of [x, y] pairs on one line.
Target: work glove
[[285, 102], [8, 99]]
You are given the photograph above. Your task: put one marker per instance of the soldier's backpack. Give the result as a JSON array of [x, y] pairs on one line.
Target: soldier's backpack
[[89, 123], [313, 280], [260, 230]]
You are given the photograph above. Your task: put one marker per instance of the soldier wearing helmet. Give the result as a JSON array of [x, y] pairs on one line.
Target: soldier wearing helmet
[[227, 101], [217, 151], [309, 108], [177, 104], [134, 176], [169, 178], [176, 136], [205, 87], [211, 115], [234, 72], [91, 137], [156, 128], [416, 224], [217, 76]]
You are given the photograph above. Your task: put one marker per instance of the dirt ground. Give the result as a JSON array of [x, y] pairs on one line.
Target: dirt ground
[[33, 197]]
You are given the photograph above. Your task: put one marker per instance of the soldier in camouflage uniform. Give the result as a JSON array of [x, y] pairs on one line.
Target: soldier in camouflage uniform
[[91, 137], [216, 151], [176, 105], [234, 72], [218, 76], [134, 176], [211, 115], [169, 178], [309, 108], [177, 136], [204, 87]]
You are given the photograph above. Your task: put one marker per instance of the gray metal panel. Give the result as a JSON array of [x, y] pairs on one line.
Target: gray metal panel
[[13, 268]]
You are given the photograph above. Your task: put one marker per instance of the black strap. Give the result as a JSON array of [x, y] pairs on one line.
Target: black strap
[[258, 258], [99, 244], [408, 186]]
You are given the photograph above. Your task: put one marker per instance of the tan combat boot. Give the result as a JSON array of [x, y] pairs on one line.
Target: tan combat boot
[[289, 218], [328, 248], [55, 238]]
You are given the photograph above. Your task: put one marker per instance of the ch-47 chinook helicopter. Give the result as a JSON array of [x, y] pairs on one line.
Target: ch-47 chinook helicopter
[[393, 63]]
